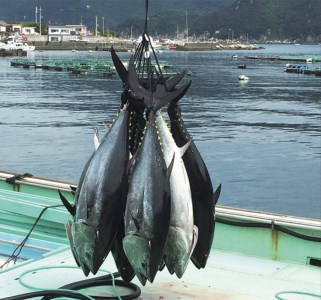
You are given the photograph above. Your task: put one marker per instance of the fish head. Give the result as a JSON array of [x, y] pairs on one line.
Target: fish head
[[177, 251], [90, 250], [139, 254]]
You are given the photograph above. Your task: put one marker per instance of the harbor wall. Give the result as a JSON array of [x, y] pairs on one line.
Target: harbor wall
[[118, 46]]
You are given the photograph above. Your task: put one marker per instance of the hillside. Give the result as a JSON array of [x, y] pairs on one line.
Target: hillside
[[270, 19], [113, 11], [253, 19]]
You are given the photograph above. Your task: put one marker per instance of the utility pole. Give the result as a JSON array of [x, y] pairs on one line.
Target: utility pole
[[96, 25], [186, 28], [40, 20], [36, 15], [103, 25]]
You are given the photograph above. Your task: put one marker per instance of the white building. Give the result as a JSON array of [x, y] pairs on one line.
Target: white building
[[3, 26], [28, 30], [66, 32], [18, 28]]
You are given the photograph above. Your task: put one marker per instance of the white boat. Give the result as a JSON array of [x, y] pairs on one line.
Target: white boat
[[16, 42], [255, 255]]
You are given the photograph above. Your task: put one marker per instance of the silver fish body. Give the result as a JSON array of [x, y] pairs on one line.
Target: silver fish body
[[101, 198], [147, 210], [182, 235]]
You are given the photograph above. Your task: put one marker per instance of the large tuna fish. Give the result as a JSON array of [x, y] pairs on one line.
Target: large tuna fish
[[147, 211], [182, 235], [201, 187], [101, 198]]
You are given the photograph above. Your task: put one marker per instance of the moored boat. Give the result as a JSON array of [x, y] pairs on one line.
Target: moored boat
[[16, 42], [255, 255]]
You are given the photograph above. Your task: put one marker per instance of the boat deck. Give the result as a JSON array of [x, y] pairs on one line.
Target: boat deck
[[227, 276], [255, 255]]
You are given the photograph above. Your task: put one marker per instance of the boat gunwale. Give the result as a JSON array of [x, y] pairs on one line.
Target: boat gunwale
[[220, 210]]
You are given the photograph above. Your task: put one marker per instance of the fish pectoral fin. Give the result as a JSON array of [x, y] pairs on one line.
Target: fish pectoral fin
[[170, 167], [136, 222], [70, 208], [195, 239], [162, 265], [73, 190], [216, 194], [96, 139], [183, 149], [71, 242]]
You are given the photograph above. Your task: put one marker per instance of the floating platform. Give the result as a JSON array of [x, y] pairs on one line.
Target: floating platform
[[296, 58], [98, 67], [306, 69]]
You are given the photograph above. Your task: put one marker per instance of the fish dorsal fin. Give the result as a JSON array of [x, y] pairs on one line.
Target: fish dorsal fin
[[70, 208], [183, 149], [96, 139], [216, 194]]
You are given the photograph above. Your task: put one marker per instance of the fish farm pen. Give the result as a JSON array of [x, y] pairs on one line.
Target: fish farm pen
[[306, 69], [98, 67], [297, 58]]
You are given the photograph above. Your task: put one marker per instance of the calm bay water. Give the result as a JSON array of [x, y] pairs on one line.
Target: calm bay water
[[260, 139]]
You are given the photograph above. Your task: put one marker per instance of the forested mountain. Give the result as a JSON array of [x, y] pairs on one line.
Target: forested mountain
[[254, 19], [113, 11]]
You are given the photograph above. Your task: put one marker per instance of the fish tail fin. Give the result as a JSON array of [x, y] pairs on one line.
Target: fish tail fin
[[161, 100], [154, 99], [172, 82], [120, 68]]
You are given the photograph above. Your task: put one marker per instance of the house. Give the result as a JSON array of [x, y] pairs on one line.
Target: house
[[17, 28], [3, 26], [66, 32], [28, 30]]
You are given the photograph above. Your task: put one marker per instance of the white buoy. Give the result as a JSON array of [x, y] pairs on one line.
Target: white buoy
[[244, 78]]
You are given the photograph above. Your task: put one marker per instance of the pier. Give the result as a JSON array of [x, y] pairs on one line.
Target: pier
[[4, 53]]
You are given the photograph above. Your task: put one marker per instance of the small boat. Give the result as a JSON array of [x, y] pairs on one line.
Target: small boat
[[241, 66], [16, 42], [309, 60], [255, 255], [234, 56], [172, 47]]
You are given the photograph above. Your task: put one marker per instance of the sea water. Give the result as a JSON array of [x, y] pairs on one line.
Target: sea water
[[261, 138]]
